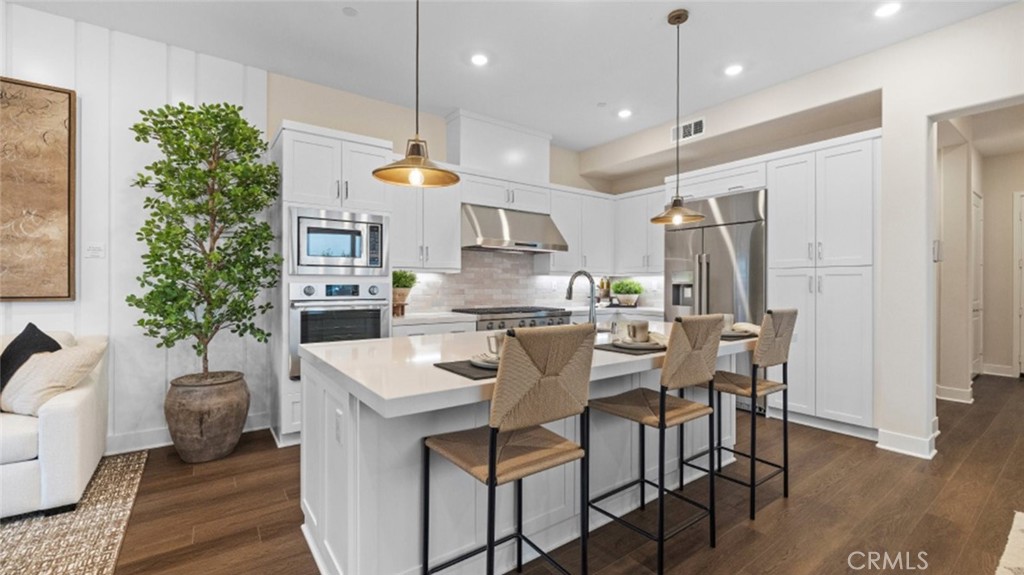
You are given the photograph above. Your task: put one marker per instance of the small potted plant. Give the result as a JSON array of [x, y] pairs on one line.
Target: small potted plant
[[402, 282], [627, 291], [209, 258]]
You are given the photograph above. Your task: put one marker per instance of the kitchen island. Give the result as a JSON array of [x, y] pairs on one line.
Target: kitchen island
[[368, 404]]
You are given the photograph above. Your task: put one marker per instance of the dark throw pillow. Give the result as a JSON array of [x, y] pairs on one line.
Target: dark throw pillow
[[29, 342]]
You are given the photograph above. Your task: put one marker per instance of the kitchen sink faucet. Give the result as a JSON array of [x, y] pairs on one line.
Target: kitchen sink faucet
[[592, 317]]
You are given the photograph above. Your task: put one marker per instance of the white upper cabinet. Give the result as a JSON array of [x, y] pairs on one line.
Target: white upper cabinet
[[843, 324], [845, 205], [821, 207], [484, 191], [587, 223], [360, 191], [311, 169], [713, 182], [330, 172], [639, 244], [791, 213], [425, 229], [597, 228]]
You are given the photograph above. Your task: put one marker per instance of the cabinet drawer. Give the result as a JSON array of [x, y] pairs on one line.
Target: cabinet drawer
[[432, 328], [721, 182]]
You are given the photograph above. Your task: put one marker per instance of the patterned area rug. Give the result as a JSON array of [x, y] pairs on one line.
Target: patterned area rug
[[1012, 562], [85, 541]]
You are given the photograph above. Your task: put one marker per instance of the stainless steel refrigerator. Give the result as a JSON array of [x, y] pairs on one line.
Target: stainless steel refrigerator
[[719, 265]]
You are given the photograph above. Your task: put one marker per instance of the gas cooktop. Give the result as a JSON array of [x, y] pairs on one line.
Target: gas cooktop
[[488, 318], [506, 310]]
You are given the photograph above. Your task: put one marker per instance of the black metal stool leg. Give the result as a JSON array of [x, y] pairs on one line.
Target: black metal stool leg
[[785, 431], [643, 496], [519, 525], [753, 442], [661, 486], [718, 415], [682, 450], [492, 487], [711, 469], [585, 490], [426, 509]]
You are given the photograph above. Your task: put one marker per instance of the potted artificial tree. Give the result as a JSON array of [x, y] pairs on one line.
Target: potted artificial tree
[[208, 259], [628, 291]]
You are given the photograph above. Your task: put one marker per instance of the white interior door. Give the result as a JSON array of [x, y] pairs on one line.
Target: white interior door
[[977, 283]]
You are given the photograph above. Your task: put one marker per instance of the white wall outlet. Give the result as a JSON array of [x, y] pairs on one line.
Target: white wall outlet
[[95, 251]]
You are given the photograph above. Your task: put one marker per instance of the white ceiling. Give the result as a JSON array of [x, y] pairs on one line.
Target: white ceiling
[[551, 62], [998, 132]]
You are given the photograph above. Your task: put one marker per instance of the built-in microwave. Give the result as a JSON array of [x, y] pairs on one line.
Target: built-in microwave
[[327, 242]]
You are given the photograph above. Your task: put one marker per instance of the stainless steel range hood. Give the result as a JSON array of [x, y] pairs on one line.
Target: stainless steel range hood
[[500, 229]]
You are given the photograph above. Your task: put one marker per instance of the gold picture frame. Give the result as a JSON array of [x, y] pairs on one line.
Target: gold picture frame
[[37, 192]]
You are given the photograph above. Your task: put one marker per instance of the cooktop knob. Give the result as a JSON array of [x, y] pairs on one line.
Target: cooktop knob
[[501, 325], [522, 323], [551, 322], [490, 325], [533, 322], [374, 290], [309, 290]]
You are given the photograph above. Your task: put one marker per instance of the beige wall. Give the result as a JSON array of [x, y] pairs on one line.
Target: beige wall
[[292, 99], [1002, 177], [565, 171], [954, 377], [957, 70]]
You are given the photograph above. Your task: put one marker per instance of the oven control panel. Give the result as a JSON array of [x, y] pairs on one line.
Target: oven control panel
[[366, 289]]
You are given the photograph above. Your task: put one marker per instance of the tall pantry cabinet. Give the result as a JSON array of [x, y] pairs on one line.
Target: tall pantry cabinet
[[821, 212]]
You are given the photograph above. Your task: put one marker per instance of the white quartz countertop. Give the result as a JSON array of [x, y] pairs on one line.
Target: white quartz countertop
[[432, 317], [397, 377]]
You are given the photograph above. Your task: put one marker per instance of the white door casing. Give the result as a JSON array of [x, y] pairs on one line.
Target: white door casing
[[977, 263]]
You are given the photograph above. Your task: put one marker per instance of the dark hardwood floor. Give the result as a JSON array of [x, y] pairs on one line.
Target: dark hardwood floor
[[241, 514]]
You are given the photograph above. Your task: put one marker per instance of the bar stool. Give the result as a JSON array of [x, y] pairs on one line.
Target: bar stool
[[689, 360], [543, 376], [772, 349]]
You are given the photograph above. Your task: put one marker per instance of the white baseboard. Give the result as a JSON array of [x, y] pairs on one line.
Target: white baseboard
[[286, 440], [921, 447], [313, 549], [956, 394], [1000, 370], [867, 433], [160, 437]]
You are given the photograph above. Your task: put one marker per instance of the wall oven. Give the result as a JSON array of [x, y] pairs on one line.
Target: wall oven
[[326, 312], [327, 242]]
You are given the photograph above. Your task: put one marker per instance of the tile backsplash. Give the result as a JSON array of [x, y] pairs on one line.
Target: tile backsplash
[[500, 279]]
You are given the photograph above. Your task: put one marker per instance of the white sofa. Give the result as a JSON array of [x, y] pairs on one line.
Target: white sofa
[[47, 461]]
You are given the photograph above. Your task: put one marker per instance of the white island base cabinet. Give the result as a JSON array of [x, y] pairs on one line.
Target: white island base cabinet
[[362, 473]]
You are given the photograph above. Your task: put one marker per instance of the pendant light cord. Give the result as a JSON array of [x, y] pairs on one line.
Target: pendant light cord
[[418, 69], [678, 135]]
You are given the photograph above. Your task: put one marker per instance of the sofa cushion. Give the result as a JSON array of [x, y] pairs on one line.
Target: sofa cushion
[[46, 375], [29, 342], [19, 438]]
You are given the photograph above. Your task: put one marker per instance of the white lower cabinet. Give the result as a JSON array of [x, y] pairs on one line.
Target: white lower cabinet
[[425, 226], [830, 359]]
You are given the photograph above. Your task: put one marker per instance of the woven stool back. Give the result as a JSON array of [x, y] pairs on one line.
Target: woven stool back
[[543, 376], [692, 351], [776, 335]]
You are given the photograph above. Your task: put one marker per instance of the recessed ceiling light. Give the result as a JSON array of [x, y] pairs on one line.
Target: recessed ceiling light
[[350, 11], [733, 70], [886, 10], [479, 59], [624, 113]]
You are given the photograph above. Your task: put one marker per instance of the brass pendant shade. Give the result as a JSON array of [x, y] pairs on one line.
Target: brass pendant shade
[[416, 169], [676, 213]]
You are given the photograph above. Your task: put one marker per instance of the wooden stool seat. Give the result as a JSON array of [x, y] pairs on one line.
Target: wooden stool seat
[[641, 405], [521, 453]]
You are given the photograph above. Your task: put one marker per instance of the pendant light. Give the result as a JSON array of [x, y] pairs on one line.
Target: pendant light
[[416, 169], [676, 213]]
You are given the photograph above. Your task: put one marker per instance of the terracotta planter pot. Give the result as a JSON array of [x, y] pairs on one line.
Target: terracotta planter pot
[[206, 415], [400, 295]]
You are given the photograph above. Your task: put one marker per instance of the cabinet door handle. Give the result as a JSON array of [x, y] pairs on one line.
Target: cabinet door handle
[[810, 251], [810, 284], [584, 260], [821, 284], [421, 253], [513, 196], [346, 189], [337, 189], [735, 188], [426, 253], [821, 251]]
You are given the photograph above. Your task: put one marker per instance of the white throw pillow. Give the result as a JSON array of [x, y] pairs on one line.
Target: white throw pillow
[[46, 375]]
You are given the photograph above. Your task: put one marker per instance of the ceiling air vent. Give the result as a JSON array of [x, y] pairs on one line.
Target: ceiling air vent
[[688, 130]]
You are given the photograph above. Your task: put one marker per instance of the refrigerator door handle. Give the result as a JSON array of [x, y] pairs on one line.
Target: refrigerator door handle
[[703, 301]]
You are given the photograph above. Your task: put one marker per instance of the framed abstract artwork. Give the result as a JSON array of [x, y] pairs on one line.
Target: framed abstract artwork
[[37, 192]]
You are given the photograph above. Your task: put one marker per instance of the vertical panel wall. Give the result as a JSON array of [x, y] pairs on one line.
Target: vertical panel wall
[[115, 75]]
